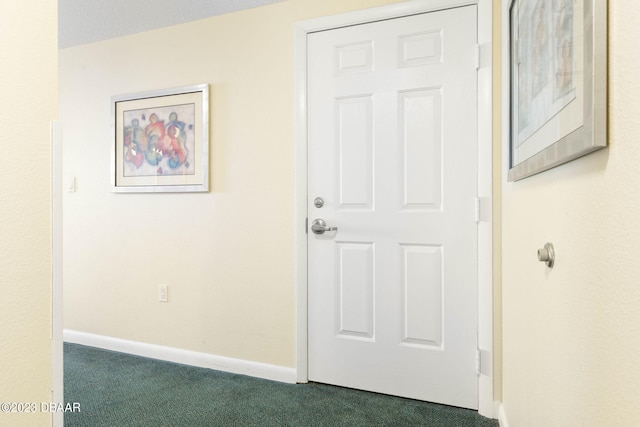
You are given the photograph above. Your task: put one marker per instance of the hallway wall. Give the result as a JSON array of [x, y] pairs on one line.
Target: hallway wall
[[570, 335], [28, 84]]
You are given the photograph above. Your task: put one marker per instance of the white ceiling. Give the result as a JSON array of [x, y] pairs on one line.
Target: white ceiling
[[88, 21]]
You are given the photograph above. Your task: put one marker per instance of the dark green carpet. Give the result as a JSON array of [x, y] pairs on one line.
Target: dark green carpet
[[116, 389]]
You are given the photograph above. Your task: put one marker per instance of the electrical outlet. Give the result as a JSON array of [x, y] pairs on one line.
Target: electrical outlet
[[163, 295]]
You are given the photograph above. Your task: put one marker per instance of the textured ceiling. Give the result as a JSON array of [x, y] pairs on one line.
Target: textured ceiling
[[87, 21]]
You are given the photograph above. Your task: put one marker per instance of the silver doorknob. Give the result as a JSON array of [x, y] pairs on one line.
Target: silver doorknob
[[319, 226]]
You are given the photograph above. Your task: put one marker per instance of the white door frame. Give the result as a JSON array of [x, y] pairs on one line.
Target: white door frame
[[485, 171], [56, 293]]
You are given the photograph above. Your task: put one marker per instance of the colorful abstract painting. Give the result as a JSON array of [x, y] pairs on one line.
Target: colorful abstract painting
[[159, 141], [546, 71]]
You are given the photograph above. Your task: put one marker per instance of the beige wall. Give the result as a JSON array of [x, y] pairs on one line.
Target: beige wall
[[228, 255], [570, 335], [28, 84]]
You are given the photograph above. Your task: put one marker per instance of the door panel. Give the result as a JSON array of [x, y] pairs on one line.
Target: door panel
[[355, 151], [422, 295], [392, 151], [421, 139], [356, 302]]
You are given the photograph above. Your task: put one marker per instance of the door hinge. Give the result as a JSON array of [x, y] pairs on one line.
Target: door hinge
[[477, 209], [306, 225], [478, 361], [477, 56]]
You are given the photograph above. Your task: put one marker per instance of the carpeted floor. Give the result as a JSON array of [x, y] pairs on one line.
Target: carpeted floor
[[116, 389]]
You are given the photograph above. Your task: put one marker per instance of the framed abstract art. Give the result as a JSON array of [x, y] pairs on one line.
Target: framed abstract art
[[558, 82], [161, 141]]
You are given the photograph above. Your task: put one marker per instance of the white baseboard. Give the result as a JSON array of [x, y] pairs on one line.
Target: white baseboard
[[185, 357], [502, 416]]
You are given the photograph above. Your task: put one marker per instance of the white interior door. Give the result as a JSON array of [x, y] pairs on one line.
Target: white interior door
[[392, 164]]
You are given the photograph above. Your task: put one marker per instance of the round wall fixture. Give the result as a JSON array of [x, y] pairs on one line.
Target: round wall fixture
[[547, 255]]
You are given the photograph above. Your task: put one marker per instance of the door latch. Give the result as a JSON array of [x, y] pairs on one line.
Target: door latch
[[319, 226]]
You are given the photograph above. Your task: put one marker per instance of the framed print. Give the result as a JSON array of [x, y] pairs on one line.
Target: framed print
[[161, 141], [558, 82]]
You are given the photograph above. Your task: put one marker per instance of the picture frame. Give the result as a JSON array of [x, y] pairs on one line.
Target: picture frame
[[160, 141], [558, 83]]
